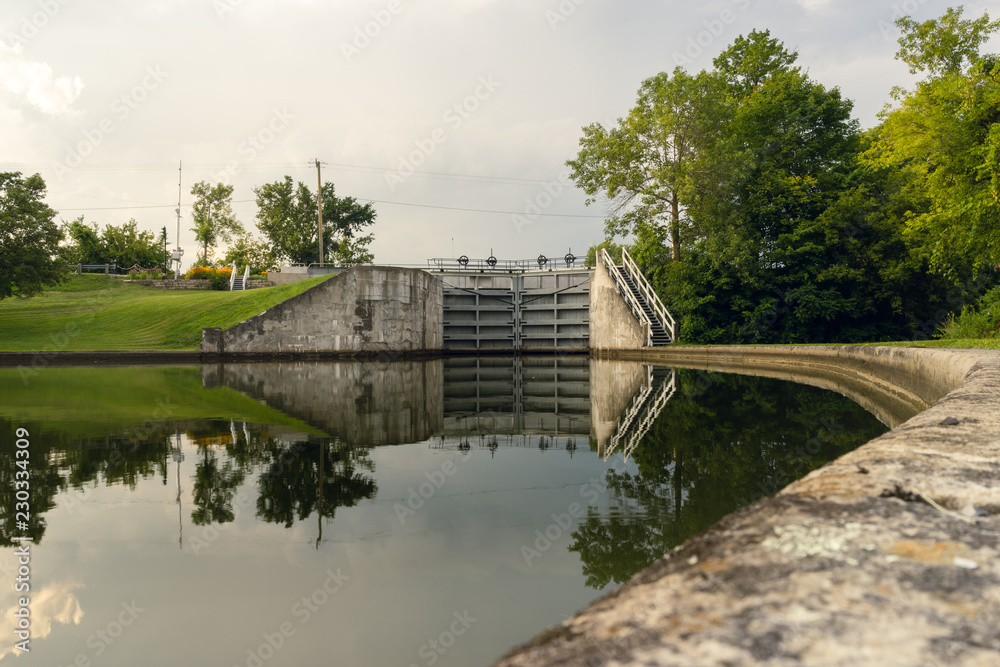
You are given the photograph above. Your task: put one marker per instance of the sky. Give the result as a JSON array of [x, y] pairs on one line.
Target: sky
[[456, 117]]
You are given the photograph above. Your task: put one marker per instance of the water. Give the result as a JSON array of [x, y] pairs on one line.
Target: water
[[408, 513]]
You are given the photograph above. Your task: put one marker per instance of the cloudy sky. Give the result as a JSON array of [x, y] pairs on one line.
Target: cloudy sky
[[455, 116]]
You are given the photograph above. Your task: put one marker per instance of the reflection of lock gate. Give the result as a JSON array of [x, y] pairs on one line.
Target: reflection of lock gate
[[646, 406]]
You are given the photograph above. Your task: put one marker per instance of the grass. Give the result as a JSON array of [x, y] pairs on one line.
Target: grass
[[100, 313], [86, 401], [980, 343]]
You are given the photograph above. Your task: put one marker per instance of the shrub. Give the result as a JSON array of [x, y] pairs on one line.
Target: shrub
[[972, 322], [218, 277]]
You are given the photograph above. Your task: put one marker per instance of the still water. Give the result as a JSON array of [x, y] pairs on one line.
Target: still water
[[406, 513]]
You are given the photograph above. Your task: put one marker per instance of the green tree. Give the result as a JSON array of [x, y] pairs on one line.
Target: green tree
[[287, 217], [247, 251], [129, 246], [29, 237], [646, 164], [84, 243], [943, 46], [945, 134], [214, 220]]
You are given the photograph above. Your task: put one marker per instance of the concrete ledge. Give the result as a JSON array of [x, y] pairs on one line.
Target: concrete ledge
[[887, 556]]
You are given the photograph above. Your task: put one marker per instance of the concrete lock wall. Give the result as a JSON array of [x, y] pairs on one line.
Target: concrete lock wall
[[612, 324], [364, 309]]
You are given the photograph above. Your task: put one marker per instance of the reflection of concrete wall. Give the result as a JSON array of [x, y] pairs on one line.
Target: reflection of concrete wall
[[612, 324], [612, 386], [363, 309], [361, 403]]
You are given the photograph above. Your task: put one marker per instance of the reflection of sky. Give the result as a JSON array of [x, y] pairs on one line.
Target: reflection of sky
[[460, 551]]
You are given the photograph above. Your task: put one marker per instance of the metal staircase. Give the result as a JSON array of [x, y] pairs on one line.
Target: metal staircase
[[646, 406], [661, 329], [236, 282]]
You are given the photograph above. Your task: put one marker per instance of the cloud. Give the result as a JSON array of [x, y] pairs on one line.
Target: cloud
[[35, 84], [51, 605]]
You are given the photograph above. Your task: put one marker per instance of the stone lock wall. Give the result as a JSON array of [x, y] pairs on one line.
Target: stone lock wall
[[366, 309]]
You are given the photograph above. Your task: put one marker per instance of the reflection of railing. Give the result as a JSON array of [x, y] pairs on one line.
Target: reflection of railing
[[666, 320], [623, 288], [645, 407]]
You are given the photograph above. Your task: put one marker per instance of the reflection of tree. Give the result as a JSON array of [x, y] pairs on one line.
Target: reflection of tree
[[214, 488], [43, 480], [306, 477], [720, 443]]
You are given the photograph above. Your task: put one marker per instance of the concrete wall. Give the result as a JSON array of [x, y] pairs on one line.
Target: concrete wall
[[612, 324], [293, 274], [887, 556], [613, 384], [364, 404], [364, 309]]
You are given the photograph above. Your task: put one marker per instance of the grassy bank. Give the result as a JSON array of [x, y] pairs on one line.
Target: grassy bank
[[88, 402], [100, 313]]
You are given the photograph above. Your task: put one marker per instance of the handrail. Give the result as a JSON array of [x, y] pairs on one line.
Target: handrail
[[630, 299], [631, 429], [246, 275], [666, 319], [232, 276]]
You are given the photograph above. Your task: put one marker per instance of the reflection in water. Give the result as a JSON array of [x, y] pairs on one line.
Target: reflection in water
[[486, 452]]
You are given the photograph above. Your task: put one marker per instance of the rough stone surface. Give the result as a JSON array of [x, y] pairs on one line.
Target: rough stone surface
[[887, 556], [363, 309], [612, 324]]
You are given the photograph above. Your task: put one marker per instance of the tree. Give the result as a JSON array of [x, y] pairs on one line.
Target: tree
[[646, 164], [945, 135], [85, 246], [29, 237], [943, 46], [287, 217], [129, 246], [247, 251], [213, 215]]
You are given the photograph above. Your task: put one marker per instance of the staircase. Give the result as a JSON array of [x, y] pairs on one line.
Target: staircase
[[642, 300], [236, 282], [646, 406]]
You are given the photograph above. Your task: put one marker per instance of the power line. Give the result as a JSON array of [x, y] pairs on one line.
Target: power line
[[208, 166]]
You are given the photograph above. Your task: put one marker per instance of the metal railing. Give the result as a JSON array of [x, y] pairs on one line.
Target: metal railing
[[492, 264], [666, 319], [246, 275], [636, 422], [626, 292], [232, 277]]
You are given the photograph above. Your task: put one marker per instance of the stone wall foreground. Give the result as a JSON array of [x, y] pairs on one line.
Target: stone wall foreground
[[889, 555]]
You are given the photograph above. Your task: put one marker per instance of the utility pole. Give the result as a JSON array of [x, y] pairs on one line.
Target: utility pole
[[319, 210], [178, 252]]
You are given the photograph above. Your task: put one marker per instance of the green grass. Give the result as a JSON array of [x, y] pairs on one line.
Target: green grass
[[100, 313], [86, 401], [980, 343]]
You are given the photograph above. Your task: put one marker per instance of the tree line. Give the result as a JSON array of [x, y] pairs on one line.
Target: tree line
[[36, 251], [763, 213]]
